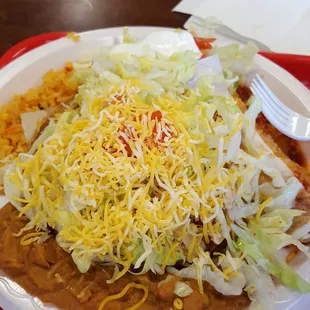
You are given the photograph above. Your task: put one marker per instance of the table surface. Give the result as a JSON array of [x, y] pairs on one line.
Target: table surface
[[21, 19]]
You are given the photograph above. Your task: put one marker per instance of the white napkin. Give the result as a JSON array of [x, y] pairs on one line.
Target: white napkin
[[282, 25]]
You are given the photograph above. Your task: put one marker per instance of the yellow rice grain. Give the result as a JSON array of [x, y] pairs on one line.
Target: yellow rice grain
[[73, 36]]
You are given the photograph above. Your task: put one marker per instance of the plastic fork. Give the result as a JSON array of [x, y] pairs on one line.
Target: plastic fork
[[287, 121]]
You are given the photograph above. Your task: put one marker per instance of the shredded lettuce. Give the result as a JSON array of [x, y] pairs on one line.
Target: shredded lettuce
[[232, 287], [182, 289], [153, 261], [279, 220], [263, 249], [259, 286], [11, 190], [277, 240], [47, 132], [236, 60], [284, 197], [82, 261], [127, 38]]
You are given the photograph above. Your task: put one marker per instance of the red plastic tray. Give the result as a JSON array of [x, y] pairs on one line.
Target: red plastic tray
[[297, 65], [27, 45]]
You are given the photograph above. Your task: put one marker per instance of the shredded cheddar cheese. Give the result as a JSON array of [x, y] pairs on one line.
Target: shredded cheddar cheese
[[30, 238], [290, 257], [73, 36], [123, 293], [178, 304], [262, 207]]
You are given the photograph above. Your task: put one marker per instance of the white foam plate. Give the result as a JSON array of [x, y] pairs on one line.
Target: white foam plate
[[26, 72]]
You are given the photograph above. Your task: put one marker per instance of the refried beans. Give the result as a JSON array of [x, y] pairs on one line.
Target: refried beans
[[48, 272]]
